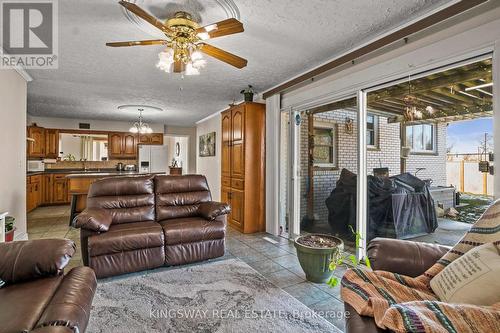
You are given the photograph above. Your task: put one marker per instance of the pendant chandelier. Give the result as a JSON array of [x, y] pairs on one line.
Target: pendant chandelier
[[414, 108], [141, 126]]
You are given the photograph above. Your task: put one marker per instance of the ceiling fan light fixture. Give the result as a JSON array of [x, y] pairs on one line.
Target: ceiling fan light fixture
[[210, 27], [191, 70], [183, 38], [203, 35], [166, 60]]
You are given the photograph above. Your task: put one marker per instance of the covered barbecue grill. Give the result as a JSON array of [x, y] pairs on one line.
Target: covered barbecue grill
[[398, 207]]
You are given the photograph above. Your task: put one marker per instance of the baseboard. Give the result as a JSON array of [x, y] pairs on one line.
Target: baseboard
[[21, 236]]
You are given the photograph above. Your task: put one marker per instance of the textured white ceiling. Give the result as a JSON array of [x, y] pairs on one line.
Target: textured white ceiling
[[282, 38]]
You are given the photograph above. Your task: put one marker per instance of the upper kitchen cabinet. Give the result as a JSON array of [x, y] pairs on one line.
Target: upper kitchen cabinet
[[36, 144], [151, 139], [51, 143], [122, 145]]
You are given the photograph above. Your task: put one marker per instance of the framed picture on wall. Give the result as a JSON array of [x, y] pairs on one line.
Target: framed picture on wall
[[207, 144]]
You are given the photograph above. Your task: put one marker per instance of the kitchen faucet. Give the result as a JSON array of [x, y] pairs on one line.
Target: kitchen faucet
[[84, 164]]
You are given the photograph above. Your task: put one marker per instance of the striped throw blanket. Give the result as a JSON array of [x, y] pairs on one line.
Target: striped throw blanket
[[404, 304]]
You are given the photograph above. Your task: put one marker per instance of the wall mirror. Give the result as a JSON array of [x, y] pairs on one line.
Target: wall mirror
[[78, 147]]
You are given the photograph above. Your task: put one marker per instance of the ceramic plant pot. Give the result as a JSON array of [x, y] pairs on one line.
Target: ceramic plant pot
[[315, 260], [9, 235], [248, 97]]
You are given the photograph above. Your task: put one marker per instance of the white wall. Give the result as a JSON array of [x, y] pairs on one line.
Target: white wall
[[13, 147], [210, 166], [183, 158], [190, 134]]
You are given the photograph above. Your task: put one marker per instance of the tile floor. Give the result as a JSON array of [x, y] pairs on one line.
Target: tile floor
[[277, 260]]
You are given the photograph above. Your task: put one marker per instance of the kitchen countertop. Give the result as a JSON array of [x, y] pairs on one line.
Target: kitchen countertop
[[79, 171], [111, 174]]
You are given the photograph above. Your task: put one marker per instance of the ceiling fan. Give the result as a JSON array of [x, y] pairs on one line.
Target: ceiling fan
[[185, 41]]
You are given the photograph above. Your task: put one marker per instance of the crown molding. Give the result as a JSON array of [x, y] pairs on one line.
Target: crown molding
[[19, 69]]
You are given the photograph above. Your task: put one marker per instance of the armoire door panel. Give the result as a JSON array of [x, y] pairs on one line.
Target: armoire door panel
[[226, 160], [238, 123], [237, 207], [224, 197], [237, 160], [226, 127]]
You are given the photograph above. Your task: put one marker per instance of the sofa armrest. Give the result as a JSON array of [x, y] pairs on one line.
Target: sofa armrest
[[403, 257], [210, 210], [29, 260], [70, 306], [93, 219]]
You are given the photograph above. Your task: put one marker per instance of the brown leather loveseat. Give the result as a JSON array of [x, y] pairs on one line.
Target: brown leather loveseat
[[35, 296], [143, 222]]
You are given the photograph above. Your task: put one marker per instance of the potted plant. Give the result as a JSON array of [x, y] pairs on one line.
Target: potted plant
[[319, 256], [315, 253], [9, 228], [248, 93]]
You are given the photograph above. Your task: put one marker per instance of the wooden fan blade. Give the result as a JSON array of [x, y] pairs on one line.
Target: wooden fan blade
[[222, 55], [145, 16], [222, 28], [179, 67], [138, 43]]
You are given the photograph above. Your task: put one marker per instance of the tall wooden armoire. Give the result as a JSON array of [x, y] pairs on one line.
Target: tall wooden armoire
[[243, 165]]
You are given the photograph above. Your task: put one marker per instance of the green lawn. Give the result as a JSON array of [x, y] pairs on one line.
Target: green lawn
[[475, 207]]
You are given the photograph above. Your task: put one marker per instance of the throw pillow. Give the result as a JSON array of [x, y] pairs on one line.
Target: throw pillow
[[472, 278]]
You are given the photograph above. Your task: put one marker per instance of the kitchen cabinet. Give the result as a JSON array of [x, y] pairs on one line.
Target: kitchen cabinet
[[129, 145], [51, 143], [59, 190], [243, 165], [34, 190], [47, 189], [122, 145], [151, 139], [36, 146]]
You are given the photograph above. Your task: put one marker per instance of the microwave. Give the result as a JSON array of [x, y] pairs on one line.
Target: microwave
[[35, 166]]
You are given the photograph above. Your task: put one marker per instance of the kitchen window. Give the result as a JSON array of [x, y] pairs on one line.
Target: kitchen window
[[421, 138], [325, 145], [372, 131]]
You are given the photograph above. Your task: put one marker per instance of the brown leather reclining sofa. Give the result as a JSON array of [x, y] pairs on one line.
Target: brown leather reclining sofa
[[397, 256], [143, 222], [35, 296]]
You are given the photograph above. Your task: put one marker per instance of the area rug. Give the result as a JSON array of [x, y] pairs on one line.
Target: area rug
[[221, 296]]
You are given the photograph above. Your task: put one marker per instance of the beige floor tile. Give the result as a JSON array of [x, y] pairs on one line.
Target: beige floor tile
[[56, 234], [35, 235], [59, 227]]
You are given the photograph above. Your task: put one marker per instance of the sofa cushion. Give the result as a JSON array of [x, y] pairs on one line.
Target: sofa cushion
[[21, 304], [127, 262], [180, 196], [127, 199], [192, 229], [126, 237]]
